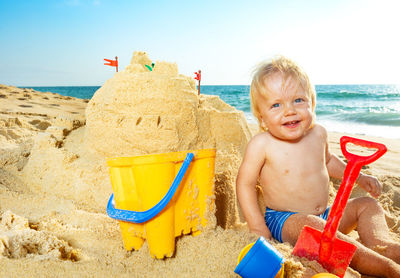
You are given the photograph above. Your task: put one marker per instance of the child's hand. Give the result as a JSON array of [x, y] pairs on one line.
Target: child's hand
[[370, 184]]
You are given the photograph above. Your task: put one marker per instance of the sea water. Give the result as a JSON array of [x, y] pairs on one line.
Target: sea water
[[357, 109]]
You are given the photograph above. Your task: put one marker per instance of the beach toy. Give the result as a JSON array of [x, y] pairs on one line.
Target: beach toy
[[112, 63], [198, 77], [143, 216], [325, 275], [332, 253], [149, 68], [260, 260], [162, 196]]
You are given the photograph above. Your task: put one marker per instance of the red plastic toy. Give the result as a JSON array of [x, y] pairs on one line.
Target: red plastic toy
[[332, 253]]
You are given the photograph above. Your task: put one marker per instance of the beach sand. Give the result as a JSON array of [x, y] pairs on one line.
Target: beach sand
[[55, 184]]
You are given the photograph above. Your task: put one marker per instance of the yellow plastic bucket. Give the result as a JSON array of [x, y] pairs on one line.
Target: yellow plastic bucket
[[140, 182]]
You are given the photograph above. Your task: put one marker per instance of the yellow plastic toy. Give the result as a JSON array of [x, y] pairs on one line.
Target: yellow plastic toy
[[144, 195], [325, 275]]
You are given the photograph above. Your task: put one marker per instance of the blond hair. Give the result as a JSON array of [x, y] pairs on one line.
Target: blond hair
[[289, 69]]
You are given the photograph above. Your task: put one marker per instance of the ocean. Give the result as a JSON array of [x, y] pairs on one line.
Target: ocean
[[357, 109]]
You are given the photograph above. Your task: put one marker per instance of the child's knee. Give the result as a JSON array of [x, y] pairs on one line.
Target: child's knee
[[370, 204]]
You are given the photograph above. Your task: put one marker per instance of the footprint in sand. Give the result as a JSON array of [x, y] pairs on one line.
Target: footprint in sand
[[42, 125], [9, 134]]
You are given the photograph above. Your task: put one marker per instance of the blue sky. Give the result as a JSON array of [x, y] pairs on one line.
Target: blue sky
[[50, 43]]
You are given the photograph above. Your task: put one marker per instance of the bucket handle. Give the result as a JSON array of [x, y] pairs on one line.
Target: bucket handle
[[143, 216]]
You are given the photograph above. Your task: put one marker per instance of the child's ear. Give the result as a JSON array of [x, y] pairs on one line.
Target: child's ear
[[263, 124]]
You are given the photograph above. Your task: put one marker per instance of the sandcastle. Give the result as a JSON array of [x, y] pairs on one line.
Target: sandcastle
[[137, 112], [142, 111]]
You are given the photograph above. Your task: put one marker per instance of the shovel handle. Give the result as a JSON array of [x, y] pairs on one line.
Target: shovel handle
[[363, 160], [353, 168]]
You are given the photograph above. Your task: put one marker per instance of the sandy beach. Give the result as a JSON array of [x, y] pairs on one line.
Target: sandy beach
[[55, 183]]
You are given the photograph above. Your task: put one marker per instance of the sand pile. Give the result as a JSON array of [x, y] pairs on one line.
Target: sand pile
[[26, 112], [18, 239], [139, 111]]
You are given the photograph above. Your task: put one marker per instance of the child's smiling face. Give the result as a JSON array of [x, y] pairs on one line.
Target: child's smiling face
[[286, 110]]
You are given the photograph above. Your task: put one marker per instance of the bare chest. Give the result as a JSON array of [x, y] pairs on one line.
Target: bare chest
[[287, 159], [295, 178]]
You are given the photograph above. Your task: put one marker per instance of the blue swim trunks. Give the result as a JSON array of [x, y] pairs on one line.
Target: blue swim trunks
[[275, 220]]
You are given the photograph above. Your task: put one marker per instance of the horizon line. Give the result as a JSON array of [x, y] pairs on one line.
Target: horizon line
[[326, 84]]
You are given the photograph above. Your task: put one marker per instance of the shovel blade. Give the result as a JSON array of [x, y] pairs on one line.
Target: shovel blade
[[308, 246]]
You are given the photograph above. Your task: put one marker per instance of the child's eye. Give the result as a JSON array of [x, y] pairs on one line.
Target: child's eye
[[297, 100], [275, 105]]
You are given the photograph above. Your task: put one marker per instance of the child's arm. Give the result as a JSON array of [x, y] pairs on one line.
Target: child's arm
[[246, 181], [336, 170]]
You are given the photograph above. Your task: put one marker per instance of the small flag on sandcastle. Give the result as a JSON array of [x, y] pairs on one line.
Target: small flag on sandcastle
[[112, 63], [198, 77]]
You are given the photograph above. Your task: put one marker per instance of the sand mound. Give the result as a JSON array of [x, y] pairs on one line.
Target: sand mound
[[138, 112], [141, 112], [18, 240], [26, 112], [56, 170]]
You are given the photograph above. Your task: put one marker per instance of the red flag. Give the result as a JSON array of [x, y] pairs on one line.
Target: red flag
[[198, 75], [112, 63]]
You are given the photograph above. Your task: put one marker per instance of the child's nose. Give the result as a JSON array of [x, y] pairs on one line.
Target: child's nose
[[289, 109]]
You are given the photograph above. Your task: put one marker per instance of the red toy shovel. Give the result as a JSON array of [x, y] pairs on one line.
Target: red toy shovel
[[332, 253]]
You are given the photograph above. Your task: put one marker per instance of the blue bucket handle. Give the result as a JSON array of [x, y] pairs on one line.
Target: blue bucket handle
[[143, 216]]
